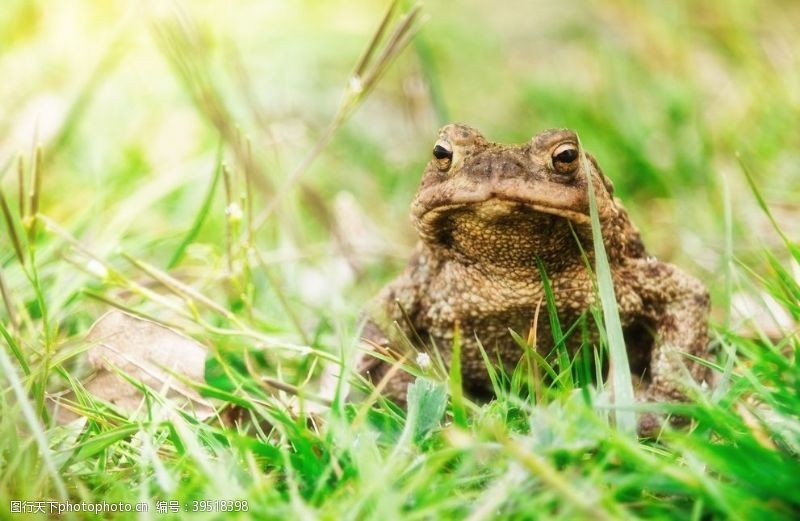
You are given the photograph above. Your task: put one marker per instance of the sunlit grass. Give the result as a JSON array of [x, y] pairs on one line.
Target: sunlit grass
[[188, 165]]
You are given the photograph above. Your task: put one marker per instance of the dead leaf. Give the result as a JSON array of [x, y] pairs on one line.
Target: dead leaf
[[148, 352]]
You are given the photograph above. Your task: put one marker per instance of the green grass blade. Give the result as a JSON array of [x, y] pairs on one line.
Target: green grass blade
[[201, 216], [564, 366], [34, 426], [102, 441], [427, 399], [620, 368], [791, 246], [523, 344], [456, 387], [15, 350]]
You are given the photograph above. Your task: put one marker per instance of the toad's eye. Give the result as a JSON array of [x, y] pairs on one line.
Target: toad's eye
[[565, 154], [441, 152]]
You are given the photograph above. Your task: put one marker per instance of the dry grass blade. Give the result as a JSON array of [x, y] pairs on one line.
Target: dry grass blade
[[295, 391], [21, 186], [178, 287], [110, 272], [532, 342], [277, 287], [376, 38], [191, 295], [228, 184], [12, 232], [397, 42], [365, 76], [12, 316], [248, 195], [115, 304], [183, 44], [34, 194], [254, 106]]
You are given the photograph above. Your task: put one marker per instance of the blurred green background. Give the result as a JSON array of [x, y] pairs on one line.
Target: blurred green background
[[666, 95]]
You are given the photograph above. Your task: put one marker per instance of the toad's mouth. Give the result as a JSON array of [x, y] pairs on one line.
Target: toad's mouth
[[499, 206], [501, 232], [569, 202], [496, 210]]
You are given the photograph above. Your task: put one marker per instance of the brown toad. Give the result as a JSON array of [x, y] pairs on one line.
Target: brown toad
[[487, 214]]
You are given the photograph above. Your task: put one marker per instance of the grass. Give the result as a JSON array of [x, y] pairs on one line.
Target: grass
[[243, 175]]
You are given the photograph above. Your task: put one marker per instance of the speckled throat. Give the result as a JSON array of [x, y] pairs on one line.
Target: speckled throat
[[505, 234]]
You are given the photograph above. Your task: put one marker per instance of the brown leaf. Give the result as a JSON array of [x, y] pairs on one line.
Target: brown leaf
[[150, 353]]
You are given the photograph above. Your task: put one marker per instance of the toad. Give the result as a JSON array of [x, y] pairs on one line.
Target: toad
[[491, 219]]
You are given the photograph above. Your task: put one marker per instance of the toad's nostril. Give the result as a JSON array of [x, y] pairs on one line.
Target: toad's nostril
[[483, 166], [509, 167]]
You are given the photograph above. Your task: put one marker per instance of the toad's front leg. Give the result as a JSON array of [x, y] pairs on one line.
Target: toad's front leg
[[391, 326], [677, 306]]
